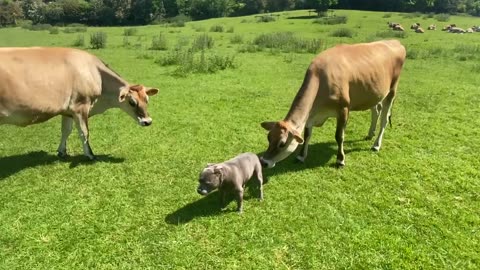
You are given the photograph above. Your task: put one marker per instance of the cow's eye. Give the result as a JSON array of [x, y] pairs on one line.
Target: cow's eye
[[132, 102], [281, 144]]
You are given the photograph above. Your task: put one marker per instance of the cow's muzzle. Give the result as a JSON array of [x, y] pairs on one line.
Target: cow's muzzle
[[267, 163], [144, 122]]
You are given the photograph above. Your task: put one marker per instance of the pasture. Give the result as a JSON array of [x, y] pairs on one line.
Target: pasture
[[415, 204]]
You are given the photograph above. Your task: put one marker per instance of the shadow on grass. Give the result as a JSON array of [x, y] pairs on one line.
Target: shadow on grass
[[302, 17], [318, 156], [206, 206], [13, 164]]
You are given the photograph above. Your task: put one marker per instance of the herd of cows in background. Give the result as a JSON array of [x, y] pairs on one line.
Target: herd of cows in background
[[450, 28]]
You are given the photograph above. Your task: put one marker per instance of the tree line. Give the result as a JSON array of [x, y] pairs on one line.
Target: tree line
[[139, 12]]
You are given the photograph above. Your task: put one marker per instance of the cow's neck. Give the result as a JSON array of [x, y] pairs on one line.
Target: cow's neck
[[112, 84], [302, 104]]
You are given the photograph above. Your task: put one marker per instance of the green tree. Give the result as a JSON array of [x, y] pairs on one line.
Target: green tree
[[9, 12], [320, 5], [34, 10]]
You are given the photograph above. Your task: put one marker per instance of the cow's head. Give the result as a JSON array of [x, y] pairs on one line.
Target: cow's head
[[282, 141], [134, 100]]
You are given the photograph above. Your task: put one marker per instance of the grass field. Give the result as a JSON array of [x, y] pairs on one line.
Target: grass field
[[413, 205]]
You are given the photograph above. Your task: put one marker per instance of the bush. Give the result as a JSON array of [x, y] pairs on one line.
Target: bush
[[79, 41], [199, 28], [75, 28], [126, 42], [442, 17], [387, 15], [266, 18], [391, 34], [179, 21], [249, 48], [130, 32], [25, 24], [236, 39], [230, 29], [342, 32], [202, 42], [40, 27], [54, 30], [98, 40], [332, 20], [216, 28], [159, 43], [182, 42], [287, 42]]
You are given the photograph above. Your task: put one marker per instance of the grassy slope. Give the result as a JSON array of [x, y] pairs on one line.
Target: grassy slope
[[413, 205]]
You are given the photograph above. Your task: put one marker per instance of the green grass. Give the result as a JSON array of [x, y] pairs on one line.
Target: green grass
[[413, 205]]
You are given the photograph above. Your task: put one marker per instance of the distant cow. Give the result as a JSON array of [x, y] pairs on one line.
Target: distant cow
[[419, 30], [415, 26], [448, 27], [392, 24], [339, 80], [398, 27], [432, 27], [456, 30], [476, 28], [469, 30], [40, 83]]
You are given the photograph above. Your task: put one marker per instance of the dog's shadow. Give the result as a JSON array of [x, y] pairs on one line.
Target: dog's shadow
[[11, 165]]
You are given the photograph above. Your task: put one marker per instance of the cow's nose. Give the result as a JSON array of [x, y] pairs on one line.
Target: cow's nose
[[146, 122]]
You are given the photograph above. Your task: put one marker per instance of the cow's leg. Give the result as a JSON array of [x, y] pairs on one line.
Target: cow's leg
[[373, 124], [342, 119], [67, 125], [307, 134], [386, 110], [81, 121]]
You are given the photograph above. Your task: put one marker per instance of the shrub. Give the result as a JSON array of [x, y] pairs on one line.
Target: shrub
[[40, 27], [230, 29], [75, 28], [182, 42], [332, 20], [54, 30], [412, 54], [159, 43], [236, 39], [130, 32], [79, 41], [342, 32], [287, 42], [98, 40], [179, 21], [387, 15], [266, 18], [250, 48], [126, 42], [442, 17], [202, 42], [199, 28], [391, 34], [216, 28], [25, 24]]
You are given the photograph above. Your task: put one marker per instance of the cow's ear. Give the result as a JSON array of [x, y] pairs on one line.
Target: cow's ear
[[152, 91], [268, 125], [123, 94], [297, 136]]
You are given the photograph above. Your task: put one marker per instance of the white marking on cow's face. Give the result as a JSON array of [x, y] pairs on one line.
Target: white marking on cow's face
[[283, 141]]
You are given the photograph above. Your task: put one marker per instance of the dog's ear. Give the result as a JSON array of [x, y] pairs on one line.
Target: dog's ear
[[220, 171], [209, 165]]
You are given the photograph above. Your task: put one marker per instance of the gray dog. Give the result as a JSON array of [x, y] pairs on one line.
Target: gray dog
[[231, 176]]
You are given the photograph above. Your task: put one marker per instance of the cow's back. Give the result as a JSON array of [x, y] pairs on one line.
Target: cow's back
[[38, 83], [358, 74]]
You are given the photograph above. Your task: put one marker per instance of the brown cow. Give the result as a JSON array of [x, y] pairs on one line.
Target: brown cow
[[40, 83], [432, 27], [415, 26], [456, 30], [398, 27], [339, 80]]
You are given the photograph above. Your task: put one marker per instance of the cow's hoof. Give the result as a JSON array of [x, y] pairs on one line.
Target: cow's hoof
[[375, 148], [340, 163], [368, 137], [301, 159]]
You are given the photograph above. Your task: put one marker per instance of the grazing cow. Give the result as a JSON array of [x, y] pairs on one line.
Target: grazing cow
[[40, 83], [398, 27], [432, 27], [339, 80], [456, 30], [419, 30]]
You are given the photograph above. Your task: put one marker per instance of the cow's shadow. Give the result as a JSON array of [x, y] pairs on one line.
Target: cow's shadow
[[11, 165], [319, 155]]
